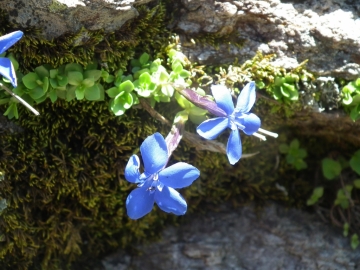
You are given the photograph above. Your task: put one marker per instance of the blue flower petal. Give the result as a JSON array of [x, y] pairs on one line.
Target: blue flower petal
[[223, 98], [211, 128], [179, 175], [132, 169], [170, 201], [139, 202], [234, 147], [7, 70], [154, 153], [251, 122], [8, 40], [246, 98]]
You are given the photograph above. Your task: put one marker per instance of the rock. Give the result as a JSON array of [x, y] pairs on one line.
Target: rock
[[321, 31], [56, 17], [240, 239]]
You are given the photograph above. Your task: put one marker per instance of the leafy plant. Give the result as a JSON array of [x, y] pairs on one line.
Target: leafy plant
[[330, 168], [351, 98], [284, 88], [294, 154]]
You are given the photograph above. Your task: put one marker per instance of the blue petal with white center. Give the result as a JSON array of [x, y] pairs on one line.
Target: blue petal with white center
[[223, 98], [157, 183]]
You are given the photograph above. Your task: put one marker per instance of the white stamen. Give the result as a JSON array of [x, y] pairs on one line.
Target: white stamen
[[261, 137], [272, 134]]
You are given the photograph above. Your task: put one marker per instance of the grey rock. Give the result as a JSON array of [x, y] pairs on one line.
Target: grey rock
[[322, 31], [56, 17], [240, 239]]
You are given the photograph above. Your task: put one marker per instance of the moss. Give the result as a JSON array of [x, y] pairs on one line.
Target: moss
[[55, 6]]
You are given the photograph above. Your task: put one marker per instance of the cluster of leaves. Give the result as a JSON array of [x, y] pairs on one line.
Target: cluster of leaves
[[332, 170], [294, 154], [351, 98], [67, 82], [284, 88]]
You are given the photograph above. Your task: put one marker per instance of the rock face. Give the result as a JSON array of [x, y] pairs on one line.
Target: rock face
[[321, 31], [239, 240], [56, 17]]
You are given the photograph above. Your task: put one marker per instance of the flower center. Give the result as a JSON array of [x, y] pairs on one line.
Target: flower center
[[235, 120], [151, 182]]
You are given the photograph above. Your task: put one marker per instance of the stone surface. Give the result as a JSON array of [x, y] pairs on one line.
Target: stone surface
[[56, 17], [321, 31], [240, 239]]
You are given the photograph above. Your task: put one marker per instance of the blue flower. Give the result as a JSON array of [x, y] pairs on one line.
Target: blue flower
[[6, 67], [235, 119], [157, 183]]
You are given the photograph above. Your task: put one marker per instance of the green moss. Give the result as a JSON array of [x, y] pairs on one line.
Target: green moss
[[55, 6]]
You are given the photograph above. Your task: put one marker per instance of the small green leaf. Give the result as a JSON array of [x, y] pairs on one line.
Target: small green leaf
[[93, 74], [197, 111], [144, 59], [88, 82], [126, 86], [36, 93], [167, 90], [53, 96], [75, 77], [73, 67], [355, 241], [42, 72], [330, 168], [315, 196], [295, 144], [30, 79], [80, 93], [355, 162], [177, 67], [93, 93], [113, 92], [12, 111], [283, 148], [145, 79], [300, 164]]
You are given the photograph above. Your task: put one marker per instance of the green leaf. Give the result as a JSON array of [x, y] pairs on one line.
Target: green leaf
[[355, 162], [167, 90], [355, 241], [36, 93], [181, 117], [73, 67], [113, 92], [301, 153], [279, 81], [126, 86], [197, 111], [145, 79], [30, 80], [12, 111], [197, 119], [80, 93], [295, 144], [347, 98], [88, 82], [354, 113], [299, 164], [42, 72], [144, 59], [45, 85], [177, 67], [163, 76], [316, 195], [283, 148], [70, 92], [289, 87], [75, 78], [110, 79], [138, 73], [93, 74], [184, 73], [92, 66], [53, 96], [93, 93], [277, 92], [330, 168]]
